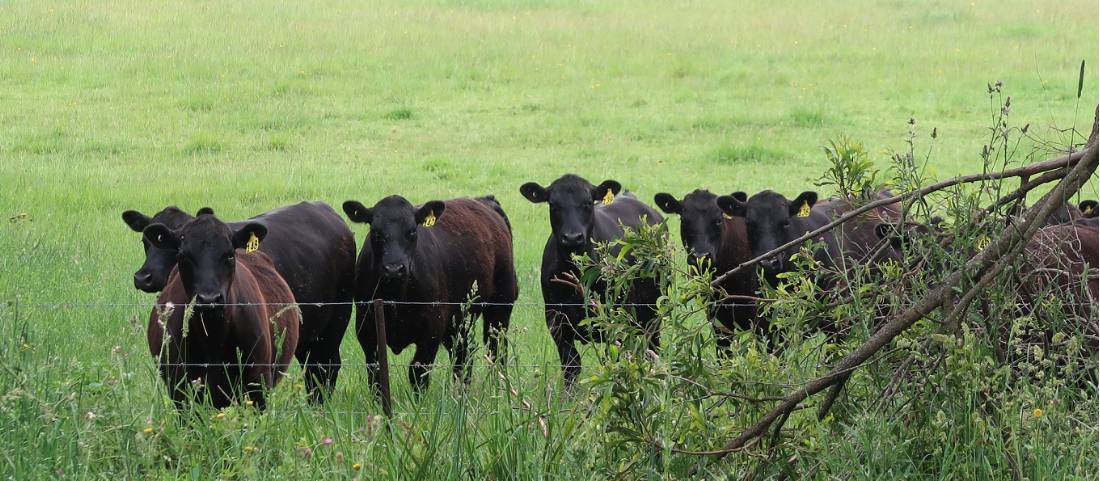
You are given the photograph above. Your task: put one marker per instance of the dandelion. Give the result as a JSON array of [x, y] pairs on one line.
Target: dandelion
[[357, 466], [1037, 413], [147, 430], [220, 415], [249, 449]]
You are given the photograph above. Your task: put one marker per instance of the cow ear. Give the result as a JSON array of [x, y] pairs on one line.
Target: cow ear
[[731, 206], [534, 192], [358, 212], [668, 203], [161, 237], [204, 211], [802, 204], [428, 213], [1088, 208], [891, 233], [606, 191], [136, 220], [741, 196], [249, 236]]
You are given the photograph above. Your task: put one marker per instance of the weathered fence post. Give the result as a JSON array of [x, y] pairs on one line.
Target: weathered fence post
[[383, 362]]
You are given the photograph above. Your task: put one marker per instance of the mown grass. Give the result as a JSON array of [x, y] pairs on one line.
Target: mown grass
[[245, 107]]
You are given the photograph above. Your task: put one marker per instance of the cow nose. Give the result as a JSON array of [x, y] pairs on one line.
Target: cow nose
[[770, 264], [209, 299], [393, 270], [142, 280], [572, 239], [704, 259]]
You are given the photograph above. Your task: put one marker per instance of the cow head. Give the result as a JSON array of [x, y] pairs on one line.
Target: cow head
[[153, 274], [770, 221], [702, 223], [206, 255], [572, 208], [395, 225]]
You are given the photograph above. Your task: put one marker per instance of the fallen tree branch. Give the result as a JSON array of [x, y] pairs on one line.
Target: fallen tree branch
[[1065, 161], [977, 267]]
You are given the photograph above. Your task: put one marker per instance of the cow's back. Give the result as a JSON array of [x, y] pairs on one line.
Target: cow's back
[[470, 242], [313, 249]]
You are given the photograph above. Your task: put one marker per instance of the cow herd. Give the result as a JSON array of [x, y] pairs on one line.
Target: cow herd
[[238, 300]]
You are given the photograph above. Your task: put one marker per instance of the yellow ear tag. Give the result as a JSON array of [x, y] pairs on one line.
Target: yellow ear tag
[[429, 220], [804, 211], [1087, 211], [983, 242], [609, 198], [253, 244], [727, 216]]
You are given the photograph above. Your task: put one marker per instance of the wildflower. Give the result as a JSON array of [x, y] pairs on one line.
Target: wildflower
[[249, 449], [147, 430], [307, 453], [89, 416], [220, 415], [1037, 413], [116, 349], [327, 441], [357, 466]]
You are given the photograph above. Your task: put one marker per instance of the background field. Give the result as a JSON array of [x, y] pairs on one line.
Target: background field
[[245, 107]]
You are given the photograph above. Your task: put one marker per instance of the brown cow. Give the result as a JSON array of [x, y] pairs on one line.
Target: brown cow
[[243, 330]]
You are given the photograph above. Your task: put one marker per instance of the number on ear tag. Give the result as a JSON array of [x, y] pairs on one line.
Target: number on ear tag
[[253, 243], [609, 197], [1087, 211], [429, 220], [804, 211]]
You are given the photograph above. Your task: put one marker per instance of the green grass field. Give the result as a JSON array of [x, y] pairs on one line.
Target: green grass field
[[245, 107]]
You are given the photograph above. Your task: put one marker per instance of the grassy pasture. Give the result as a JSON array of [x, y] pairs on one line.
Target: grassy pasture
[[247, 106]]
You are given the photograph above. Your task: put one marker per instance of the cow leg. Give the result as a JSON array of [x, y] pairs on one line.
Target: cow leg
[[561, 330], [321, 358], [496, 320], [421, 364]]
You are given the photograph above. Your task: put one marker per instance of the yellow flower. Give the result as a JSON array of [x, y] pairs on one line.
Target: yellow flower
[[147, 430], [220, 415], [249, 449], [357, 466], [1037, 413]]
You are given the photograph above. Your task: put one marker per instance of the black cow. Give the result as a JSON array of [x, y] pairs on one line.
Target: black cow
[[244, 327], [1088, 209], [428, 260], [153, 274], [580, 217], [718, 242], [771, 221], [314, 251]]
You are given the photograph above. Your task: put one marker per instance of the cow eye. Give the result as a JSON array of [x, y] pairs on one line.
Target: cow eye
[[229, 258], [785, 224], [411, 233]]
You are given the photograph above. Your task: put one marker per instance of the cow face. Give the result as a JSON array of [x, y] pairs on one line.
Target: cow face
[[572, 208], [153, 274], [770, 222], [702, 223], [395, 226], [206, 256]]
